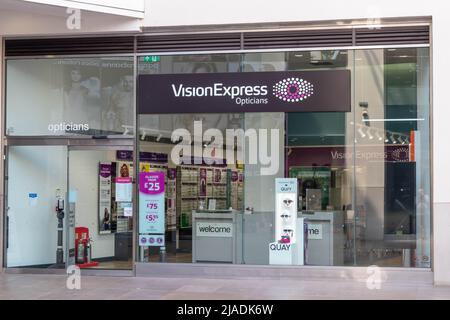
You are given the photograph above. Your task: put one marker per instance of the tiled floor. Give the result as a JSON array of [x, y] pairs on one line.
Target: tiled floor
[[13, 286]]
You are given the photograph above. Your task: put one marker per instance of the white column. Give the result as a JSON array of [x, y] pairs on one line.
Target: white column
[[441, 151], [422, 158]]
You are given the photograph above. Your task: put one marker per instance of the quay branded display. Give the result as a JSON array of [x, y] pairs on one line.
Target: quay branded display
[[290, 91], [289, 245], [286, 210], [104, 214], [151, 205]]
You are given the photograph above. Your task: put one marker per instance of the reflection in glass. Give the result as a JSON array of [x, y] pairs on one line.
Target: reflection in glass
[[392, 157], [79, 96]]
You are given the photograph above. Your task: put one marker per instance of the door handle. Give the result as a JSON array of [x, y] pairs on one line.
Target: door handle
[[7, 231]]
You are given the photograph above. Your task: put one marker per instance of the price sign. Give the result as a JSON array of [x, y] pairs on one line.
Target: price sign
[[151, 203]]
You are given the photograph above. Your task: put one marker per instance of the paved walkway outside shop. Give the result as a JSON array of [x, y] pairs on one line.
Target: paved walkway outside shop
[[14, 286]]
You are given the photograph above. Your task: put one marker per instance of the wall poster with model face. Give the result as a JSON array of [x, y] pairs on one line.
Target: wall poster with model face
[[105, 176], [124, 169], [97, 94]]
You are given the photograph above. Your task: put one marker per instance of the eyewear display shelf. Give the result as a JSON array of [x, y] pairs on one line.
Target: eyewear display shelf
[[235, 189], [196, 186]]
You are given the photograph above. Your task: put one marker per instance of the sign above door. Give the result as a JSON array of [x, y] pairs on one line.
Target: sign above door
[[290, 91]]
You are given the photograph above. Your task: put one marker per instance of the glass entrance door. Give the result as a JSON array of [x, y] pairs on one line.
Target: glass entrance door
[[69, 204], [100, 197], [36, 176]]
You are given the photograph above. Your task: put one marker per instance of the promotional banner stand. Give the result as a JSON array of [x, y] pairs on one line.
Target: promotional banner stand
[[152, 213]]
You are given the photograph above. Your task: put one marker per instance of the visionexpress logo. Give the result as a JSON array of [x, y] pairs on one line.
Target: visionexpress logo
[[242, 95], [293, 90], [288, 90], [219, 90]]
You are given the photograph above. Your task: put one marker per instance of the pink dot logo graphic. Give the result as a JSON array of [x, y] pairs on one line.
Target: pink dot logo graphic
[[293, 90], [401, 155]]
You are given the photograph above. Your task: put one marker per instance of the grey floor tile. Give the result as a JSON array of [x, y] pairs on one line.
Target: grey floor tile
[[53, 287]]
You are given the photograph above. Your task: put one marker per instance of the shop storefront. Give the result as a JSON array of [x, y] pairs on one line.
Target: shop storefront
[[275, 148]]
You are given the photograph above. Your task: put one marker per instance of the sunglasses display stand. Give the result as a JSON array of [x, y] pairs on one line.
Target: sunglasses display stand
[[288, 247]]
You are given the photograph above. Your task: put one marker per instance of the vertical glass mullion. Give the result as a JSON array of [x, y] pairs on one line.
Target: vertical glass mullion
[[353, 146]]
